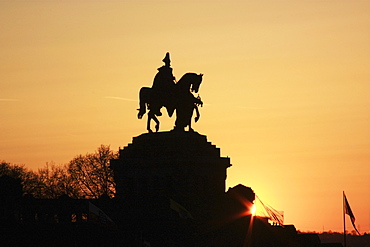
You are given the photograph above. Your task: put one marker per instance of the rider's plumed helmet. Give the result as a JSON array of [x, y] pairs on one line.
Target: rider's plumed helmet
[[166, 59]]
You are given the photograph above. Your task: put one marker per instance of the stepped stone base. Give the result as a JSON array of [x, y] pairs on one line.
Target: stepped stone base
[[182, 166]]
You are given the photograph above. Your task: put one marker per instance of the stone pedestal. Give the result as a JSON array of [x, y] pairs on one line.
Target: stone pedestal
[[182, 166]]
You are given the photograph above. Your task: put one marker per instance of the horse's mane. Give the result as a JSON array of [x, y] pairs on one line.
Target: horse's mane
[[187, 77]]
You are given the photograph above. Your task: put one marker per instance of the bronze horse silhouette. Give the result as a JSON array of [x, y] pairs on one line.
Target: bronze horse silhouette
[[177, 98]]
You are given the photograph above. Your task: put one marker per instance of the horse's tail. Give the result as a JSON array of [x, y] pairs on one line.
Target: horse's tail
[[143, 99]]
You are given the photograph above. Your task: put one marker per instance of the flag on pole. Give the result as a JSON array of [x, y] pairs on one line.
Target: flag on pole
[[183, 213], [347, 210], [97, 216]]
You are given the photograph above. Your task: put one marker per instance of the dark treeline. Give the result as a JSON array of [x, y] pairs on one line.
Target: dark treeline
[[84, 177], [353, 239]]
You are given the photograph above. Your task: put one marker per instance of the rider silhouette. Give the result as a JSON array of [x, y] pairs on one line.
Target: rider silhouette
[[163, 84]]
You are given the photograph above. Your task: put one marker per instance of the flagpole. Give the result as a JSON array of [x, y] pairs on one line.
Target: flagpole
[[344, 221]]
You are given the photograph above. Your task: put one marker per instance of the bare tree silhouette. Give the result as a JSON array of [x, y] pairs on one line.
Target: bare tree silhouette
[[85, 176], [91, 173]]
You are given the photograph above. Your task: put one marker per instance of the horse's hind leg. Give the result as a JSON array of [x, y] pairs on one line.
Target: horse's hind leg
[[190, 128], [141, 113], [155, 120], [151, 115], [157, 124], [142, 101]]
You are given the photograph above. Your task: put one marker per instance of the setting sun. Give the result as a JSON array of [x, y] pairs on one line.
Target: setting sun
[[254, 209]]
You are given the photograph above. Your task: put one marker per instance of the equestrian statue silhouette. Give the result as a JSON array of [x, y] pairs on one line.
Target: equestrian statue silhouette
[[172, 95]]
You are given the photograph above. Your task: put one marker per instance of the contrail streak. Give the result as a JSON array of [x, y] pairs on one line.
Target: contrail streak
[[119, 98], [9, 100]]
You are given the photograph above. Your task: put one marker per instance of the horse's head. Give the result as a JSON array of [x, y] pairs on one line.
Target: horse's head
[[190, 81], [196, 83]]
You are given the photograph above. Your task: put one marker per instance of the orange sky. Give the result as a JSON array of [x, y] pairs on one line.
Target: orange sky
[[286, 87]]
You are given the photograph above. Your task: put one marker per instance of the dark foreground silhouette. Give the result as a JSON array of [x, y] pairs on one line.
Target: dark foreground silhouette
[[170, 191]]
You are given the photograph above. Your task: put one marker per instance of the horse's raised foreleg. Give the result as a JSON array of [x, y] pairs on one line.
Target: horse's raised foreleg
[[196, 117], [197, 112]]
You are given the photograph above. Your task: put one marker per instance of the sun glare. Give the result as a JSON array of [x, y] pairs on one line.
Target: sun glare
[[253, 210]]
